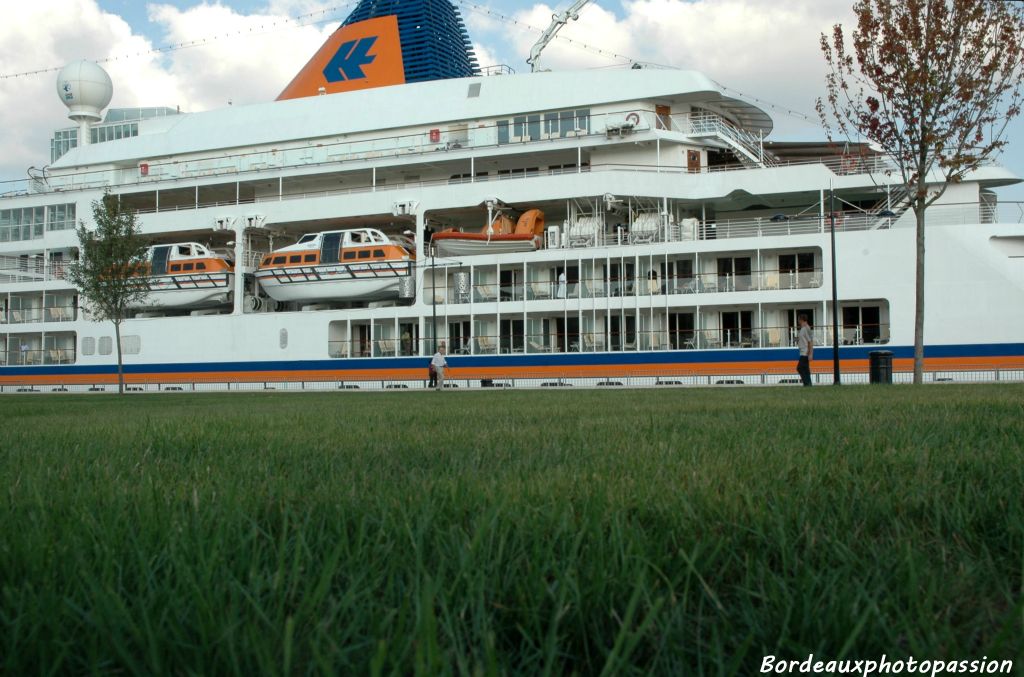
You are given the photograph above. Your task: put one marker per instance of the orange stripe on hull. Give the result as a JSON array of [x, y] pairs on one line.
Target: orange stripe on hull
[[504, 372]]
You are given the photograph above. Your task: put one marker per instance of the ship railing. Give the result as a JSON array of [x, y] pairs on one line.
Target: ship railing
[[17, 356], [56, 313], [774, 279], [252, 258], [422, 142], [34, 268], [594, 340], [749, 145]]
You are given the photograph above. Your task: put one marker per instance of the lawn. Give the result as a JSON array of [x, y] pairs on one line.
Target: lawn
[[665, 531]]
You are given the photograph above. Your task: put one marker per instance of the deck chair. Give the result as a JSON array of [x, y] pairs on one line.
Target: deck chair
[[655, 340], [593, 342], [595, 288], [774, 338], [712, 339], [484, 344], [537, 347], [770, 281], [540, 290], [486, 292], [386, 347]]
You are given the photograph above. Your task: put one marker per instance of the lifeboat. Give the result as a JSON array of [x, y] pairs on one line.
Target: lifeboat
[[187, 275], [360, 264], [497, 237]]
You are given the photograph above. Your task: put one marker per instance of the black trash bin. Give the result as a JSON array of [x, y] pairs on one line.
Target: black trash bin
[[880, 366]]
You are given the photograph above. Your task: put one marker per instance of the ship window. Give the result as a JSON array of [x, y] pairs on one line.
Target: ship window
[[175, 267], [378, 253], [533, 126], [364, 253], [348, 255], [282, 338], [583, 119], [550, 125], [307, 238], [184, 250], [310, 258], [503, 131], [295, 258], [200, 266], [474, 90], [131, 344], [106, 345], [565, 123], [88, 345], [266, 260], [279, 259], [187, 266], [802, 262], [519, 127]]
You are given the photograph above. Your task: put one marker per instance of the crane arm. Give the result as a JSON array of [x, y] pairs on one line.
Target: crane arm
[[557, 21]]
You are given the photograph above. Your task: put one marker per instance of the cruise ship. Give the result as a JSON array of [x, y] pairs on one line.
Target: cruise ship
[[598, 227]]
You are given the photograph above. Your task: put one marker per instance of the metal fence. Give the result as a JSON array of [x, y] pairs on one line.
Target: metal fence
[[782, 377]]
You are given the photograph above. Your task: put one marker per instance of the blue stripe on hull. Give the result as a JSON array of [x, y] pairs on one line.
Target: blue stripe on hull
[[621, 359]]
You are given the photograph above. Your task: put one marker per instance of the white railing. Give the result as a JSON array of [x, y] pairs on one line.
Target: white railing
[[32, 269], [398, 146], [709, 124]]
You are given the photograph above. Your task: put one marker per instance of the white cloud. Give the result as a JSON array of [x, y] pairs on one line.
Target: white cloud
[[252, 58], [245, 59]]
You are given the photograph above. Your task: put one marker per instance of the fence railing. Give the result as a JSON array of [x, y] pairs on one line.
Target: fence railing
[[639, 378]]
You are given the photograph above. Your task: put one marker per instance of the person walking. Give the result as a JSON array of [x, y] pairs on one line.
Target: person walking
[[439, 364], [805, 341]]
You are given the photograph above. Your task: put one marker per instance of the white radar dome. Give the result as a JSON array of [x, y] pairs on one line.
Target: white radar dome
[[86, 89]]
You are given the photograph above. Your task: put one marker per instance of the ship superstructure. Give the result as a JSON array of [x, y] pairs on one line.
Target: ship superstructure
[[676, 240]]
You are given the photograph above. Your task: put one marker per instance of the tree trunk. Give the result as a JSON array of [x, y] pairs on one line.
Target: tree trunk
[[120, 364], [919, 210]]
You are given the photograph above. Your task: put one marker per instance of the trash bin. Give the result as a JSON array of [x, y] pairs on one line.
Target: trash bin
[[880, 366]]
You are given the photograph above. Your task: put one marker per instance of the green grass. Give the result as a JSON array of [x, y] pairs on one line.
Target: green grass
[[683, 532]]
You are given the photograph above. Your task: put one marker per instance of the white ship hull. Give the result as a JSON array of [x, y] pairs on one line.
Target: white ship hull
[[694, 272]]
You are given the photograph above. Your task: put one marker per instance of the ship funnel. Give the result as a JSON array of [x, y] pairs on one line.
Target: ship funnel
[[85, 88]]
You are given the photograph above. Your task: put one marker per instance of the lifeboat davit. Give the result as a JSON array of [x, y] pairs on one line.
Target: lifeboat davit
[[498, 237], [187, 275], [359, 264]]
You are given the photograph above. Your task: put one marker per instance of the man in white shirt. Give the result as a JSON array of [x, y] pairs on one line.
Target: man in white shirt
[[439, 364], [805, 341]]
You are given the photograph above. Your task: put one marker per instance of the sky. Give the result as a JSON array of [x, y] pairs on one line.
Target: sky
[[246, 51]]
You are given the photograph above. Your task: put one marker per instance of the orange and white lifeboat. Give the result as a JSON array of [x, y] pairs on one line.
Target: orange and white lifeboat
[[358, 264], [187, 275], [497, 237]]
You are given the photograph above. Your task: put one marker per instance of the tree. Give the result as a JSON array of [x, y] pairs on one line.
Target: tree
[[108, 271], [934, 84]]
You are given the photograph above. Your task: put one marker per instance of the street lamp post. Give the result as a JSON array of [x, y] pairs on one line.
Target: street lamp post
[[433, 298], [835, 292]]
